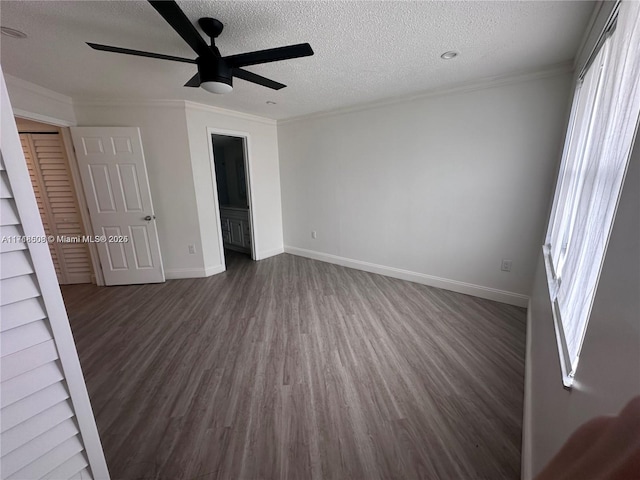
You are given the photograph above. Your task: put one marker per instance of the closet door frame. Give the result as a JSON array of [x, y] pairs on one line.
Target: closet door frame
[[41, 126]]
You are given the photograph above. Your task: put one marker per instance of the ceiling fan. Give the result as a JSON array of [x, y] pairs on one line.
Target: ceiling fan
[[215, 72]]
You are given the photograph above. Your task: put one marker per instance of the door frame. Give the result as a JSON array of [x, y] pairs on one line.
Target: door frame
[[246, 137], [65, 132], [65, 135]]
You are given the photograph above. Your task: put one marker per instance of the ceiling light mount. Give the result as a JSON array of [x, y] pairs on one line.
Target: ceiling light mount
[[451, 54], [12, 32]]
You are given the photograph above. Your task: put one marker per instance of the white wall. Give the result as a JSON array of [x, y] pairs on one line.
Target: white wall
[[609, 371], [166, 148], [38, 103], [439, 189], [263, 171]]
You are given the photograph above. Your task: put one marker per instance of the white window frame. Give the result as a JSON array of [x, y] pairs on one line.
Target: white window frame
[[589, 158]]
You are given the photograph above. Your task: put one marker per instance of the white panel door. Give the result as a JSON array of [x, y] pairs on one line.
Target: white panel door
[[115, 182]]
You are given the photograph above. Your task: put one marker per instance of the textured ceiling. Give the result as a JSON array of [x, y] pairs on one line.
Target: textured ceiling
[[364, 51]]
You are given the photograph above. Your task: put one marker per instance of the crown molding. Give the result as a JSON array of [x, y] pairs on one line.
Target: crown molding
[[182, 104], [490, 82], [37, 89], [128, 102], [483, 84], [232, 113]]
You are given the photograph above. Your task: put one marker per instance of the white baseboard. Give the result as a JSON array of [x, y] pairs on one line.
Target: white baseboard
[[489, 293], [527, 419], [177, 273], [214, 270], [269, 253]]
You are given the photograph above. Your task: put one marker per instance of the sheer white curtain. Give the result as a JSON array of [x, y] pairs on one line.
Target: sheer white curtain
[[590, 183], [578, 142]]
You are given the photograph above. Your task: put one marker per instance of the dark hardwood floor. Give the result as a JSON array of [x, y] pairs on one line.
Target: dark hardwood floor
[[297, 369]]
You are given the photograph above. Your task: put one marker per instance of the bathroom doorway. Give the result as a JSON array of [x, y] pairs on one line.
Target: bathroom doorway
[[234, 199]]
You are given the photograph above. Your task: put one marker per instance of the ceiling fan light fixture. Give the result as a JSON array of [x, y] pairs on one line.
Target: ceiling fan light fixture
[[216, 87], [216, 76]]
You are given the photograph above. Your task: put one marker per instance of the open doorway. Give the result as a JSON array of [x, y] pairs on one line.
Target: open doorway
[[234, 198]]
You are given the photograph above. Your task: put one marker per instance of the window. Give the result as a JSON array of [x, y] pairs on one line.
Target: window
[[600, 136]]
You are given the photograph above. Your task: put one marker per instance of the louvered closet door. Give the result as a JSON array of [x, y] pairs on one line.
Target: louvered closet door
[[47, 429], [56, 197], [38, 435]]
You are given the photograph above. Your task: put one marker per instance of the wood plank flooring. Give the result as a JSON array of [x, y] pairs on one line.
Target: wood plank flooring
[[290, 368]]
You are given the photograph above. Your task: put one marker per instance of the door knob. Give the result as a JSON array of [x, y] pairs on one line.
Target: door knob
[[148, 218]]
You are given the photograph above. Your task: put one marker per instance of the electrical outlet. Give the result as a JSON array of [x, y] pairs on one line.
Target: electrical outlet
[[314, 234], [192, 249], [506, 265]]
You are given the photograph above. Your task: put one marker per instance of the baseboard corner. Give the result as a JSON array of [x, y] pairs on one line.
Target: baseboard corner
[[269, 253], [181, 273], [214, 270]]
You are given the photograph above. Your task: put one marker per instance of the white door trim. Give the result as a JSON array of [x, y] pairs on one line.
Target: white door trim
[[37, 117], [248, 176], [65, 133]]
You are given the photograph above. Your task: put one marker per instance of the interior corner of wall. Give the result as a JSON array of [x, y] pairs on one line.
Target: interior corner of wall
[[214, 270]]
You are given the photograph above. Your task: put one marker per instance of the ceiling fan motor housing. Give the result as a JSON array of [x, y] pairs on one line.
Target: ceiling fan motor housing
[[214, 71]]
